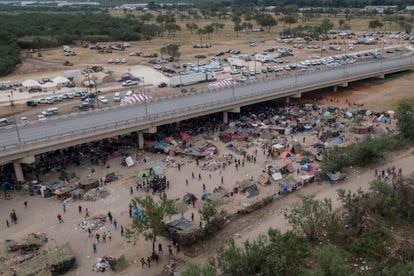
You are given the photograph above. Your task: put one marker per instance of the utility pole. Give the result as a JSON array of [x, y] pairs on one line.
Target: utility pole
[[181, 83], [14, 118]]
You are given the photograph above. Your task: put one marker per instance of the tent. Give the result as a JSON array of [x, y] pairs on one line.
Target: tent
[[143, 174], [334, 176], [31, 83], [189, 197], [277, 176], [129, 161], [137, 213], [206, 196], [49, 84], [157, 170], [60, 80]]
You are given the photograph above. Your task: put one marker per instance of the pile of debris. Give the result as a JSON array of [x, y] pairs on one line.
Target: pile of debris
[[103, 264], [170, 269], [214, 165], [96, 193], [93, 223], [30, 244], [56, 261], [171, 162]]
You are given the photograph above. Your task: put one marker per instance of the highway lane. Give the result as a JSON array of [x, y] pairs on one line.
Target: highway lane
[[100, 118]]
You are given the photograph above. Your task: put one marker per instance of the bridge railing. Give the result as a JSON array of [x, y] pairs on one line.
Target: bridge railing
[[153, 117]]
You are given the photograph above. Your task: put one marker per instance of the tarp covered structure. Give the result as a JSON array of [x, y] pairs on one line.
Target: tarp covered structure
[[143, 174]]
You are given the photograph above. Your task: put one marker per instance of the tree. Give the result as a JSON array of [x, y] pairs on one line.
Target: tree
[[151, 224], [172, 28], [375, 24], [310, 217], [326, 25], [287, 253], [341, 22], [209, 29], [237, 28], [218, 26], [385, 201], [191, 27], [172, 50], [146, 17], [405, 117], [201, 32], [207, 211], [266, 21], [196, 270], [330, 261], [289, 19], [356, 206]]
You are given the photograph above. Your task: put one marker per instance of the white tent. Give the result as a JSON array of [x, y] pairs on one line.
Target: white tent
[[49, 84], [60, 80], [31, 83]]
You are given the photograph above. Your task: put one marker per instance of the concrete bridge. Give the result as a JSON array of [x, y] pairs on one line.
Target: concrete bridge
[[19, 144]]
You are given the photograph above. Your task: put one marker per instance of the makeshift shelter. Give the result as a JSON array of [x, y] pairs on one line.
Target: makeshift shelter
[[178, 225], [143, 174], [263, 179], [157, 170], [88, 184], [206, 196], [277, 176], [31, 84], [59, 80], [334, 176], [137, 213], [49, 85], [189, 197]]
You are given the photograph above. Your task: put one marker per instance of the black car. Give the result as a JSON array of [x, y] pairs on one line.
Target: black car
[[31, 103]]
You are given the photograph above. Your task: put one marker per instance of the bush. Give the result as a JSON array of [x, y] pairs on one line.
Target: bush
[[361, 154], [372, 243]]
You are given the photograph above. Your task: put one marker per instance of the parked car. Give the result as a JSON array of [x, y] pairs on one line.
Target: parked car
[[24, 120], [31, 103], [50, 111], [4, 122], [103, 99], [129, 83], [117, 97], [41, 117], [162, 85]]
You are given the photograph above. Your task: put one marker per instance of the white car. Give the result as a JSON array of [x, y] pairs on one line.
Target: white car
[[111, 60], [129, 83], [103, 99], [41, 117], [117, 97], [129, 93], [123, 60]]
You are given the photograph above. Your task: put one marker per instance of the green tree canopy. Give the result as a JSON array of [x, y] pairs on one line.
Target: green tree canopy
[[310, 217], [151, 224]]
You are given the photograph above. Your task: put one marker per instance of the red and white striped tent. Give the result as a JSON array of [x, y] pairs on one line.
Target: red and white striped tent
[[135, 98], [221, 84]]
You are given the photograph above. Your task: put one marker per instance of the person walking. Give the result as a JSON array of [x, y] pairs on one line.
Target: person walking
[[7, 223], [222, 180], [104, 237], [204, 187], [97, 236], [94, 247], [143, 262], [131, 191], [25, 204], [192, 217], [159, 248], [60, 218], [122, 230], [110, 216], [149, 261], [80, 209], [86, 213], [170, 251], [64, 207], [89, 233], [186, 182], [109, 236], [115, 223]]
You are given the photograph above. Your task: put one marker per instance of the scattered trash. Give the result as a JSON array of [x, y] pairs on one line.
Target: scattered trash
[[103, 264], [95, 194], [93, 223]]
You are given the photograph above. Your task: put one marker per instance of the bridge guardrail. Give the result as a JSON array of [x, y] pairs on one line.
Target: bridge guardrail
[[29, 144]]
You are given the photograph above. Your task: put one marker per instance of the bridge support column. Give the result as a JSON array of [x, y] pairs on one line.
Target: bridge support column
[[287, 100], [140, 140], [380, 76], [18, 171], [225, 117], [335, 88]]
